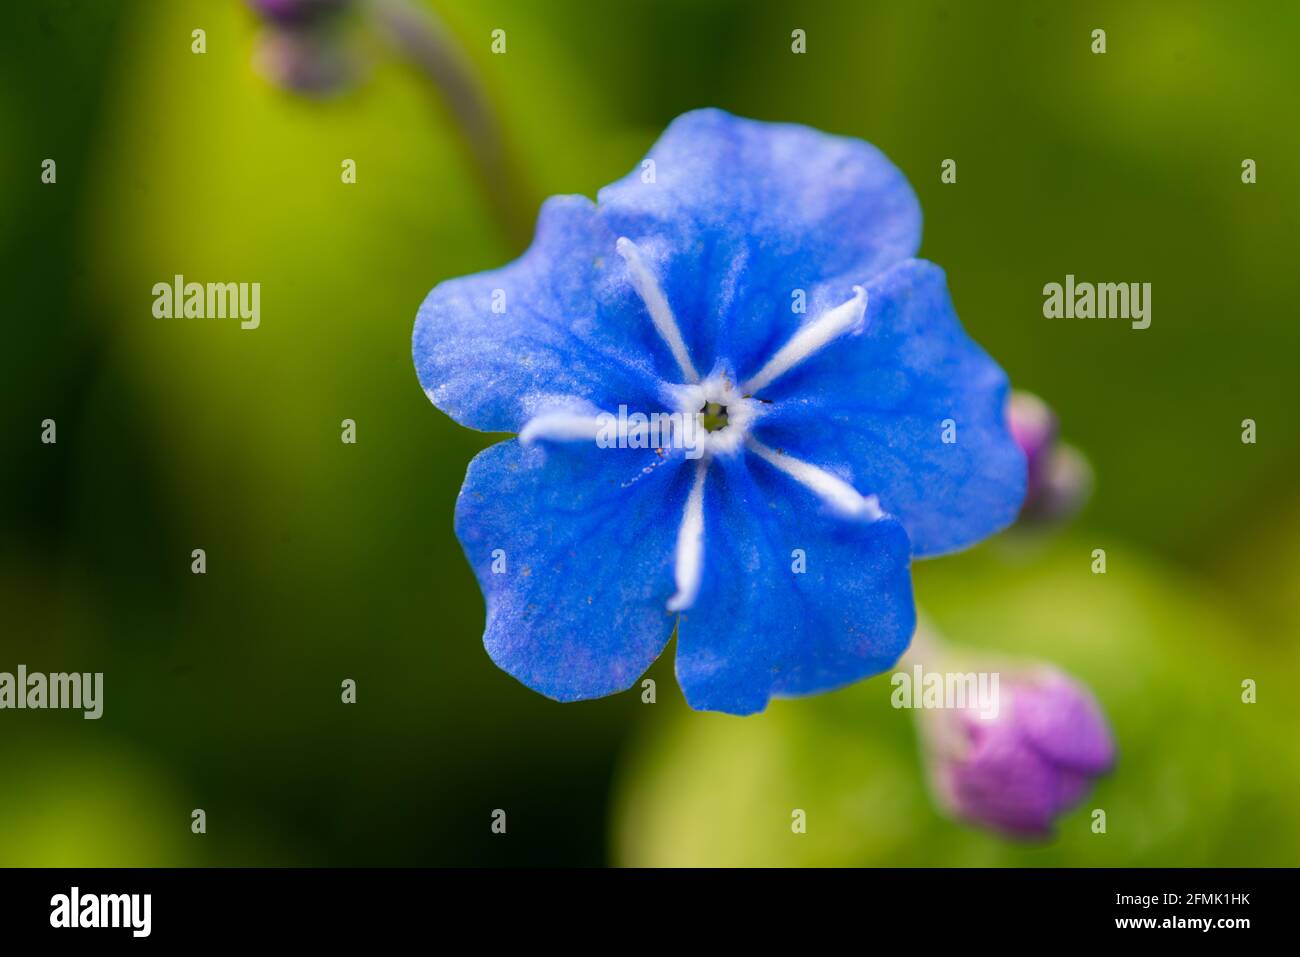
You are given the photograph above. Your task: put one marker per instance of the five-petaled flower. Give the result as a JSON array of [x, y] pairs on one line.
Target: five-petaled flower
[[842, 438]]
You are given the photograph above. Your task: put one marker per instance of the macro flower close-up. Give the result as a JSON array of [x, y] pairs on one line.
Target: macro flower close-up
[[742, 407], [670, 434]]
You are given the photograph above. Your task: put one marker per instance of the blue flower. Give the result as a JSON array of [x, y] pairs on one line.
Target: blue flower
[[832, 419]]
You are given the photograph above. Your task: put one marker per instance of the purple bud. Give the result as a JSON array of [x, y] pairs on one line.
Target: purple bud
[[1034, 428], [1032, 760], [296, 12], [304, 61], [1060, 479]]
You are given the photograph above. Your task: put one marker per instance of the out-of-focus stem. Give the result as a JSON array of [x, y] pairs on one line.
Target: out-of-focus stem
[[427, 43]]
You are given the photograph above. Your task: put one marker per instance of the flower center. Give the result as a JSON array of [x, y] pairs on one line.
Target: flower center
[[713, 416], [720, 412]]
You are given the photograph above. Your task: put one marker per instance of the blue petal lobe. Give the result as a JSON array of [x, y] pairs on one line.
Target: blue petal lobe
[[562, 321], [739, 214], [573, 547], [876, 407], [761, 626]]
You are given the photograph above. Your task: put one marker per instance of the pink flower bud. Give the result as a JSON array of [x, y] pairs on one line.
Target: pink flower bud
[[1030, 761], [1060, 479]]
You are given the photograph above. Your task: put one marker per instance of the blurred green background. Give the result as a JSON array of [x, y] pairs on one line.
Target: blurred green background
[[329, 561]]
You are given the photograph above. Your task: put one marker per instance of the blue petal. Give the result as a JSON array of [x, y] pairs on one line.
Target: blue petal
[[758, 628], [566, 324], [741, 213], [871, 406], [586, 535]]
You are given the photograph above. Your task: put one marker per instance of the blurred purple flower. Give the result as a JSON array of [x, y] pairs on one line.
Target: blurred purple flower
[[297, 12], [303, 48], [310, 62], [1018, 770], [1060, 479]]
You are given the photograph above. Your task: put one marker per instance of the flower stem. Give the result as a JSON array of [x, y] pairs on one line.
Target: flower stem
[[426, 42]]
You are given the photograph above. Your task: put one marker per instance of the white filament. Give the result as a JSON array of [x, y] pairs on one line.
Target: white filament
[[560, 426], [812, 337], [690, 545], [661, 314], [837, 493]]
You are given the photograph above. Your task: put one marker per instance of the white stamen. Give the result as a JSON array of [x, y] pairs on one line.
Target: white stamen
[[560, 427], [690, 545], [647, 287], [836, 492], [810, 338]]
